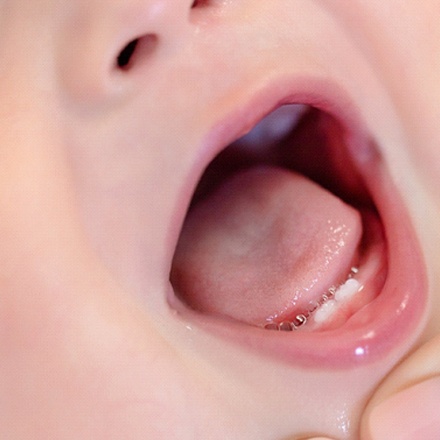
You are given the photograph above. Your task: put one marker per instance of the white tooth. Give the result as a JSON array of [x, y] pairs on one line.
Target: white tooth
[[325, 311], [347, 290]]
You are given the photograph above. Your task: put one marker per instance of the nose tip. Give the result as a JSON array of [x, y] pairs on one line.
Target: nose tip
[[167, 19], [99, 39]]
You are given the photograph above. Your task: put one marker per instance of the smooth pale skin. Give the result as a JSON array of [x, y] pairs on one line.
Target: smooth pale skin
[[91, 171]]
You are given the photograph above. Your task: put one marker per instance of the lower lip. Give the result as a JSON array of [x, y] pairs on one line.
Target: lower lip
[[389, 325]]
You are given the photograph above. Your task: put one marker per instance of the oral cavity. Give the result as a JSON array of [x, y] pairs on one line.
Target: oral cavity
[[265, 248]]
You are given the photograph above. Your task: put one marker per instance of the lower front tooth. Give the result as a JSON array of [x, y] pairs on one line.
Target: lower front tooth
[[347, 290], [325, 311]]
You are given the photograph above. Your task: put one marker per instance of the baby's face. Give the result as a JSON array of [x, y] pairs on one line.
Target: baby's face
[[299, 277]]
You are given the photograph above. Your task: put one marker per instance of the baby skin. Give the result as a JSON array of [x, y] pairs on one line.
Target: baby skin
[[219, 219]]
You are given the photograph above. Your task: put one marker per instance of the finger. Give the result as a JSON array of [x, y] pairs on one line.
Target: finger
[[407, 405]]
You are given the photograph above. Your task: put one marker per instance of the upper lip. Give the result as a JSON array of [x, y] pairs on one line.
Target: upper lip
[[393, 321]]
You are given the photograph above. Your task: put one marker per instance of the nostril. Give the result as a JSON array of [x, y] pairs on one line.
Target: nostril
[[137, 50], [199, 3], [126, 54]]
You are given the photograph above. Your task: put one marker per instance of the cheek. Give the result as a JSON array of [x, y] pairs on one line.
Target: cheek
[[404, 42], [419, 113], [411, 75]]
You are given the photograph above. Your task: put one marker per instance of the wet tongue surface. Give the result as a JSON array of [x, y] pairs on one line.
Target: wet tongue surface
[[263, 245]]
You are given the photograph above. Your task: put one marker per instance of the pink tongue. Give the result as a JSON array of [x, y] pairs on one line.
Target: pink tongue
[[263, 245]]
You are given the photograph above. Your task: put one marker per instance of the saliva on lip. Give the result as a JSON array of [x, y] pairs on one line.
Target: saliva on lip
[[321, 311]]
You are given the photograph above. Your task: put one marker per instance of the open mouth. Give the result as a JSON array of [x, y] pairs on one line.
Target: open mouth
[[296, 240]]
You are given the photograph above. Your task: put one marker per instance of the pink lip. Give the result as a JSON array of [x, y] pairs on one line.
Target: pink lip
[[392, 322]]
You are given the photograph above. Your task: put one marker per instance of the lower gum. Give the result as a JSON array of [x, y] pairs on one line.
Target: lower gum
[[303, 318]]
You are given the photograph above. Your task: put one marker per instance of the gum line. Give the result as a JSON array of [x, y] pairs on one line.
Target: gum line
[[303, 318]]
